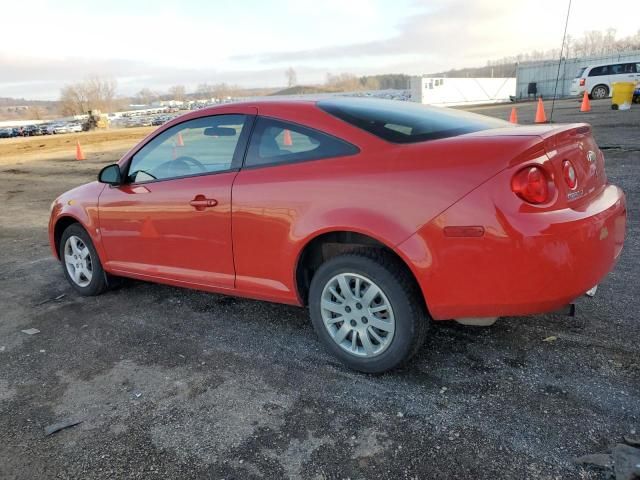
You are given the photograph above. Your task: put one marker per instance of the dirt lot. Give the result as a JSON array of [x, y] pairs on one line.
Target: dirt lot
[[172, 383]]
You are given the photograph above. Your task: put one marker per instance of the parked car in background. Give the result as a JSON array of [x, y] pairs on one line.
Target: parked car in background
[[31, 130], [75, 127], [44, 129], [58, 128], [6, 133], [376, 214], [596, 80]]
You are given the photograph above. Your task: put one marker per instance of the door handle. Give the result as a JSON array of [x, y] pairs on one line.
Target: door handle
[[200, 202]]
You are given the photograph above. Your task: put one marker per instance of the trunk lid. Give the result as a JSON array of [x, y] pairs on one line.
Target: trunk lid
[[560, 143], [575, 143]]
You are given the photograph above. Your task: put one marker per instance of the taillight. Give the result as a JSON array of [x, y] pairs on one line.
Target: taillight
[[582, 80], [531, 184], [569, 174]]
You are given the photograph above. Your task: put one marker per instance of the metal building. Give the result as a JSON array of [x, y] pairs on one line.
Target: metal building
[[544, 73]]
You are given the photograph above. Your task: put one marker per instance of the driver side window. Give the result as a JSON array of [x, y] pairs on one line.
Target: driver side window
[[200, 146]]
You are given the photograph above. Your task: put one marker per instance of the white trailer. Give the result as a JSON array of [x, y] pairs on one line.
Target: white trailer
[[462, 91]]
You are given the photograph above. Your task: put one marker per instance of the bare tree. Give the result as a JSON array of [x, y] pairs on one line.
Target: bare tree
[[344, 82], [93, 93], [73, 99], [591, 43], [146, 96], [370, 83], [204, 90], [178, 92], [292, 77], [36, 112], [224, 90]]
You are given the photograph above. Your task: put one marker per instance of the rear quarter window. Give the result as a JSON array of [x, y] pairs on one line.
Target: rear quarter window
[[276, 142], [407, 122]]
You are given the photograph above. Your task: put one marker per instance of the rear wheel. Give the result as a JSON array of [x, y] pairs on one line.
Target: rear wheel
[[80, 262], [600, 91], [367, 311]]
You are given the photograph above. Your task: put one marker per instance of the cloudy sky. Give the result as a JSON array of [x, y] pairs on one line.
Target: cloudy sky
[[158, 43]]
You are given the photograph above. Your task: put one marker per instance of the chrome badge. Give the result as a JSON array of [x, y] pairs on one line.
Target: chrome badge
[[591, 156]]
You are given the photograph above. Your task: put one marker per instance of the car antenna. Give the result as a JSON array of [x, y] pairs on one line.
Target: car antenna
[[564, 37]]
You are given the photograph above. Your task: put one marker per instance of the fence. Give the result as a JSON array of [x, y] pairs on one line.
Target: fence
[[544, 73]]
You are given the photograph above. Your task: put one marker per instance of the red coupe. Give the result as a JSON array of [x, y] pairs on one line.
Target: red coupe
[[377, 215]]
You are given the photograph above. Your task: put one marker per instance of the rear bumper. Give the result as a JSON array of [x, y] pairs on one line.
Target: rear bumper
[[525, 263]]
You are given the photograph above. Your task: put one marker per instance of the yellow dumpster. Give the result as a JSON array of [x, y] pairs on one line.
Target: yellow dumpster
[[622, 95]]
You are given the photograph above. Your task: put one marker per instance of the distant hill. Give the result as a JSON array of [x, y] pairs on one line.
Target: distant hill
[[19, 108], [11, 102]]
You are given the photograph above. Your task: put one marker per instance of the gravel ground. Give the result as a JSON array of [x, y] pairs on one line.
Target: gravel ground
[[172, 383]]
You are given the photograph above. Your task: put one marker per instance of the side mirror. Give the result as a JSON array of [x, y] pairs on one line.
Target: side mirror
[[111, 175]]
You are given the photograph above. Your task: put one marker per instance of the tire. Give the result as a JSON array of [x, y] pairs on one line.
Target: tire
[[92, 278], [599, 92], [404, 324]]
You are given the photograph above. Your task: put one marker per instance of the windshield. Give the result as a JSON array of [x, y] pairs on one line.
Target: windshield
[[407, 122]]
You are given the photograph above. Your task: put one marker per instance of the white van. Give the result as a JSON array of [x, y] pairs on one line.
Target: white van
[[597, 79]]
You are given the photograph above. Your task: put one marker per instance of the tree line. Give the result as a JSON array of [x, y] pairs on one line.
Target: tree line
[[592, 43], [100, 93]]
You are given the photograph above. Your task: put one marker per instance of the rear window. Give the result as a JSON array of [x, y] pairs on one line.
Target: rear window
[[599, 71], [406, 122], [580, 72]]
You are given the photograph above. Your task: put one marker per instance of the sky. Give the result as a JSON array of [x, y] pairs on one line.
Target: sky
[[158, 43]]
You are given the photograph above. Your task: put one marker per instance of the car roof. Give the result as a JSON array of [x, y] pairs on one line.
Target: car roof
[[305, 102], [609, 63], [275, 101]]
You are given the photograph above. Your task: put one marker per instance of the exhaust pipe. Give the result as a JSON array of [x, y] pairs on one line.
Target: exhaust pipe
[[569, 310]]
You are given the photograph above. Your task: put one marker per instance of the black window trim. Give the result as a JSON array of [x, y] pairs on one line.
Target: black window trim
[[244, 166], [236, 163]]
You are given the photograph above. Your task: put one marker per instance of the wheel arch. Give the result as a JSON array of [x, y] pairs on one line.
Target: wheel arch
[[62, 223], [324, 245]]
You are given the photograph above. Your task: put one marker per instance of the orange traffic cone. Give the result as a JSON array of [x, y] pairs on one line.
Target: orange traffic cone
[[287, 138], [586, 104], [513, 118], [541, 117], [179, 141], [79, 153]]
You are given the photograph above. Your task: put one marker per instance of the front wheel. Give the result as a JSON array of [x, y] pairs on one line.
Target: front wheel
[[80, 262], [600, 91], [367, 310]]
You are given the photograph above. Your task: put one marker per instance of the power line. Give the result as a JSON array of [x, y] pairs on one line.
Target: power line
[[564, 37]]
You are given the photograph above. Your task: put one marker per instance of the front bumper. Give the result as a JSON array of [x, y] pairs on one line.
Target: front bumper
[[523, 264]]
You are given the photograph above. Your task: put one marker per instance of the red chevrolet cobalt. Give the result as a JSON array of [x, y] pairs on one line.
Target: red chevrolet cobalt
[[377, 215]]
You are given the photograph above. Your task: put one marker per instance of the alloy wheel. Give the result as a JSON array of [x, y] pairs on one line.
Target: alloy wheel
[[357, 314], [77, 259], [599, 92]]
